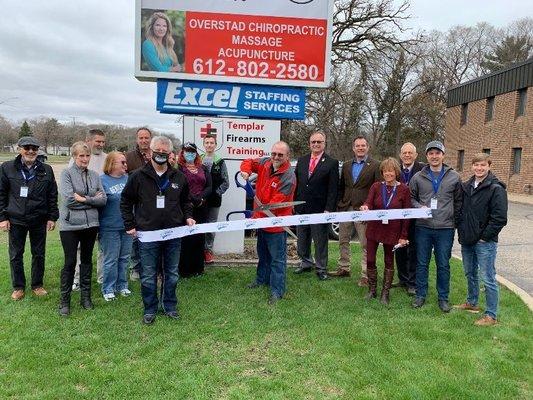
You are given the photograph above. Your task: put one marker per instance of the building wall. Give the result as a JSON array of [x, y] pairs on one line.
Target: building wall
[[503, 133]]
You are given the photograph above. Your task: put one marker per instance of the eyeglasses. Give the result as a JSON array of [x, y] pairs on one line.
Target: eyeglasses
[[280, 155], [317, 141], [30, 147]]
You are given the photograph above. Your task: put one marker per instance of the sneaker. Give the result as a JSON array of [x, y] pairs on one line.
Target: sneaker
[[444, 306], [173, 315], [75, 286], [273, 299], [135, 276], [109, 297], [411, 291], [486, 320], [253, 285], [125, 292], [340, 273], [468, 307], [419, 302], [148, 319], [363, 282], [208, 257], [17, 294], [39, 291]]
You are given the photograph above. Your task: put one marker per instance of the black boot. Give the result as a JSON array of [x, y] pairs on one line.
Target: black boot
[[388, 275], [372, 275], [66, 289], [85, 286]]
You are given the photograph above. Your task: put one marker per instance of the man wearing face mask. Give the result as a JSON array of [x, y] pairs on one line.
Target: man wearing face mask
[[157, 197]]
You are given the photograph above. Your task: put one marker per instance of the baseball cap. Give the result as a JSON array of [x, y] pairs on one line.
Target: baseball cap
[[435, 144], [28, 141], [189, 146]]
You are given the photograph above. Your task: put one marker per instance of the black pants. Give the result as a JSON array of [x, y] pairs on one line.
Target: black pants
[[17, 242], [192, 248], [406, 260], [70, 240], [319, 234]]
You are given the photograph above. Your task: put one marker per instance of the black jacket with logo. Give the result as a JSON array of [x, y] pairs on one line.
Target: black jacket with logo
[[484, 211], [40, 205], [138, 201]]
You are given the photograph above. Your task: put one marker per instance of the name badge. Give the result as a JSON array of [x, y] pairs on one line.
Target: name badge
[[23, 191], [433, 203], [160, 202], [385, 221]]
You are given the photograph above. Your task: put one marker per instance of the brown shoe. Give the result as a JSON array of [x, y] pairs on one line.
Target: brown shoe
[[468, 307], [17, 294], [340, 273], [39, 291], [486, 320], [363, 282]]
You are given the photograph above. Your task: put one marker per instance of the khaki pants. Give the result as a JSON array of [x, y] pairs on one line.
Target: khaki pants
[[345, 235]]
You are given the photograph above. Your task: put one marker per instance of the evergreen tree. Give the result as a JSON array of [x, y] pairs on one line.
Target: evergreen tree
[[510, 50], [25, 130]]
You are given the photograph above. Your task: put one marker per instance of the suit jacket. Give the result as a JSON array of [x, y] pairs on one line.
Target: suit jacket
[[353, 194], [318, 190], [417, 166]]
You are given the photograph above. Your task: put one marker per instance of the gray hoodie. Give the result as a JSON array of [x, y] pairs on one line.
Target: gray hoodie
[[74, 215], [449, 198]]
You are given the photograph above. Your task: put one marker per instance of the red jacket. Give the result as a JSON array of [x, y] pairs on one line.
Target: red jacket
[[271, 187], [396, 229]]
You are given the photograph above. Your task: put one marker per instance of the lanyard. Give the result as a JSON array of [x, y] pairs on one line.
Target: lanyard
[[162, 187], [436, 181], [386, 202], [27, 179]]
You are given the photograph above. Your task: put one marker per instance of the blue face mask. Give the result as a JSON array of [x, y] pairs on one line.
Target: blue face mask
[[189, 157]]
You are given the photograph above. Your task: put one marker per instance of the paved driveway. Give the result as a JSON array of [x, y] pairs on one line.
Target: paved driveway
[[515, 247]]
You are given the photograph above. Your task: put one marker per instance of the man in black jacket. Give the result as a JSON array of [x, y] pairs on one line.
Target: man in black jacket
[[28, 204], [406, 256], [483, 216], [156, 197], [317, 182]]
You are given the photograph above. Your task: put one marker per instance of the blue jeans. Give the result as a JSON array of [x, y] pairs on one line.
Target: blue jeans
[[441, 242], [272, 265], [169, 250], [116, 249], [135, 258], [482, 256]]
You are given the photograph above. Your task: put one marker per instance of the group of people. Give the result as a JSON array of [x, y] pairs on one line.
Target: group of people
[[109, 197], [476, 208]]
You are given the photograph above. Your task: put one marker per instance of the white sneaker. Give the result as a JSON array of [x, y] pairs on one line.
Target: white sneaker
[[109, 297], [134, 276], [125, 292], [75, 286]]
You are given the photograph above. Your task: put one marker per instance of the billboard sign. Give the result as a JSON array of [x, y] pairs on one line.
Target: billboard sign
[[237, 139], [197, 97], [275, 42]]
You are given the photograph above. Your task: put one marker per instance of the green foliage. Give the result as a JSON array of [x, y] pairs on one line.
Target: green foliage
[[510, 50], [323, 341], [25, 130]]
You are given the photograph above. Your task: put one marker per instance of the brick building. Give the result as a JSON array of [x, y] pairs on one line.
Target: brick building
[[494, 114]]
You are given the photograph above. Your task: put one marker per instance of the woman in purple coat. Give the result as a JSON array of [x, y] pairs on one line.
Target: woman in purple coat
[[388, 194]]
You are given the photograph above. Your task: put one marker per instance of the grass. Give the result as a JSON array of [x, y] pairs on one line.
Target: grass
[[322, 342]]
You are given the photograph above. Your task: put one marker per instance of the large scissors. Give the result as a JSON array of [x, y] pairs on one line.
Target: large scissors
[[265, 208]]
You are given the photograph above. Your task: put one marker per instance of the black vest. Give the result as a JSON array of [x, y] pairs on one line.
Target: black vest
[[214, 200]]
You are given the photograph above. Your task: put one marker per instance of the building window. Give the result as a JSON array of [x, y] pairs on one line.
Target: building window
[[460, 160], [486, 151], [522, 100], [464, 113], [516, 160], [489, 109]]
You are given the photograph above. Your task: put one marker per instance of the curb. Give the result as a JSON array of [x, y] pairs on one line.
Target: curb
[[524, 296]]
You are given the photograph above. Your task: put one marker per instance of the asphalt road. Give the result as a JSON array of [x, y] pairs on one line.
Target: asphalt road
[[514, 260]]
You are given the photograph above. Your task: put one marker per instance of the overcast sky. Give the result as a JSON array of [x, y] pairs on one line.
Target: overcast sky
[[74, 59]]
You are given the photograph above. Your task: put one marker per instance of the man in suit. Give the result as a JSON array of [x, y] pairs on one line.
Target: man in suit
[[317, 181], [406, 256], [357, 176]]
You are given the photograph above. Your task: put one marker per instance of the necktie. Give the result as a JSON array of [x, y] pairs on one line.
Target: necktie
[[312, 165], [406, 175]]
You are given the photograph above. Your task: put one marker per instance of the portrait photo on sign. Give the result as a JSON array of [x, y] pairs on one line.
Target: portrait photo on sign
[[162, 40]]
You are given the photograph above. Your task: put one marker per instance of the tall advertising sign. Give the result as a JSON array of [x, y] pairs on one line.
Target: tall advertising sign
[[274, 42]]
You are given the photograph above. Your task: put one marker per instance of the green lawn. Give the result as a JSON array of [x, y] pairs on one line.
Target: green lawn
[[322, 342]]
